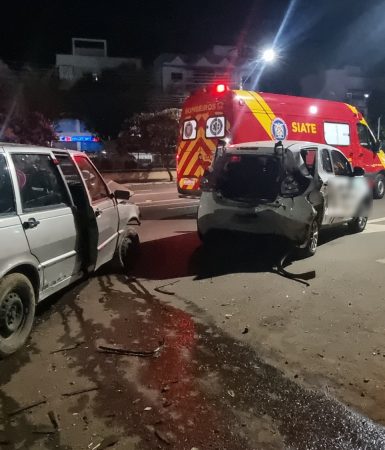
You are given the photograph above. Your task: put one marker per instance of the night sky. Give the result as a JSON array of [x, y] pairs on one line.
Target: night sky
[[316, 32]]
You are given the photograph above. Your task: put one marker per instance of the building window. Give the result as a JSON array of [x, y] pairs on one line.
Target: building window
[[176, 76]]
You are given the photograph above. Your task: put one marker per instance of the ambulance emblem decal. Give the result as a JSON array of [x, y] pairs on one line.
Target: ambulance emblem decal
[[216, 127], [279, 129]]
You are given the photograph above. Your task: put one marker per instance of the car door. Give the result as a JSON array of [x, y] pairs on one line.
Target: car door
[[13, 243], [367, 155], [105, 210], [343, 198], [326, 175], [46, 216]]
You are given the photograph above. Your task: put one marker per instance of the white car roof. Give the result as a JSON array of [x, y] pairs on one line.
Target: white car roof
[[7, 146], [271, 144]]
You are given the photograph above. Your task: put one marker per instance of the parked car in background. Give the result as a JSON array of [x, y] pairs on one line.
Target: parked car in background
[[58, 222], [289, 190]]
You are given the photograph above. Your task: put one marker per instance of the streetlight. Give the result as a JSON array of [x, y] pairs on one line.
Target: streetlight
[[266, 57], [269, 55]]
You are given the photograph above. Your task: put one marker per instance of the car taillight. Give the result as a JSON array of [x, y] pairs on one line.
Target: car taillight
[[290, 186]]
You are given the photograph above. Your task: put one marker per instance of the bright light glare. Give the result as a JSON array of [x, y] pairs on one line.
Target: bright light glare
[[366, 95], [269, 55], [313, 109]]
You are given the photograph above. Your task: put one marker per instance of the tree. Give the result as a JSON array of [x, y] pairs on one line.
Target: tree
[[18, 122], [157, 132]]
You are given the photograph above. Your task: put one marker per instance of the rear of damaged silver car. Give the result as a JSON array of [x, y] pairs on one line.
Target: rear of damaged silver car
[[260, 190]]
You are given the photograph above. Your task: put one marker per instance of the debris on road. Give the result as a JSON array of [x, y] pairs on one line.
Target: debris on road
[[231, 393], [148, 408], [228, 316], [27, 408], [128, 352], [53, 418], [246, 330], [163, 437], [44, 430], [105, 443], [82, 391], [67, 349], [164, 291]]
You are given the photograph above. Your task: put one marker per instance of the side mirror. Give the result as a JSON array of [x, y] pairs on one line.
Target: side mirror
[[122, 195], [358, 172]]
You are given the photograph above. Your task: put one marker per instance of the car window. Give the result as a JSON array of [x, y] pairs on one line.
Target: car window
[[309, 158], [69, 170], [337, 133], [95, 183], [365, 137], [326, 161], [40, 182], [7, 197], [341, 165]]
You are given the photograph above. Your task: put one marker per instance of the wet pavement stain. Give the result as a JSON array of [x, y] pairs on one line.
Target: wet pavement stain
[[204, 390]]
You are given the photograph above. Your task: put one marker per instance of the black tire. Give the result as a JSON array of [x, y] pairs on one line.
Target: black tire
[[129, 251], [17, 312], [205, 238], [358, 224], [379, 187], [311, 244]]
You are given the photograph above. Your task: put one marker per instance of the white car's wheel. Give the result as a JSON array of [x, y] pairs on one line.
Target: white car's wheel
[[358, 224], [17, 311], [129, 250], [311, 244]]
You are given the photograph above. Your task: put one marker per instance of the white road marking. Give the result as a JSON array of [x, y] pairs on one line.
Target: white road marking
[[374, 228], [190, 204], [184, 207], [152, 193], [162, 201], [381, 261], [380, 219]]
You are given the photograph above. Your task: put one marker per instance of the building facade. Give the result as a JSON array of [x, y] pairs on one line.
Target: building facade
[[89, 57]]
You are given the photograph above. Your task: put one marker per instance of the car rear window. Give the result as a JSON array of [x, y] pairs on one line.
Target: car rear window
[[7, 197], [250, 176]]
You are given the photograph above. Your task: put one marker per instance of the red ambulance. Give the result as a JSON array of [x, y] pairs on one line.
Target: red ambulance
[[220, 114]]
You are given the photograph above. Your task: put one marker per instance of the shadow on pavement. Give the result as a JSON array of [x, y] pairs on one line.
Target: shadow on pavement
[[184, 255]]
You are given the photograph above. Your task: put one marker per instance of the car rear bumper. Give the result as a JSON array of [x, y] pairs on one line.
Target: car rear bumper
[[288, 217]]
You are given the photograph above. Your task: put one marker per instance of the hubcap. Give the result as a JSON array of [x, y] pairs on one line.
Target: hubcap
[[11, 314], [381, 187], [314, 237], [362, 222]]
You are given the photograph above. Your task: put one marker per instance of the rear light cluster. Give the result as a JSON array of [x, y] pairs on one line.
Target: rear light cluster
[[290, 187]]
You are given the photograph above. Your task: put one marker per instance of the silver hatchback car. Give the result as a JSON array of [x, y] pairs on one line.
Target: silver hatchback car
[[58, 222], [286, 189]]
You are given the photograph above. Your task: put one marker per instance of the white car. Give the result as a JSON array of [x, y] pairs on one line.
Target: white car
[[58, 222], [288, 190]]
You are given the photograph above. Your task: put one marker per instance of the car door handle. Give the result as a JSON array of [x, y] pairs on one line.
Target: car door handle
[[98, 212], [31, 223]]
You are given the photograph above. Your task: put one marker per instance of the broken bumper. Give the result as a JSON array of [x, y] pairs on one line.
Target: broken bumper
[[286, 217]]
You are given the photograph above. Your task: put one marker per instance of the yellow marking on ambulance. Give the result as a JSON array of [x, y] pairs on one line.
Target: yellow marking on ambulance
[[304, 127], [261, 110]]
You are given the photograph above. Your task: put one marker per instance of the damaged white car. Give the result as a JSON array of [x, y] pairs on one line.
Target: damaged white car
[[289, 190]]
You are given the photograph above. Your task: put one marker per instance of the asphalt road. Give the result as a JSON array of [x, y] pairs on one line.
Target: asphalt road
[[235, 355]]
